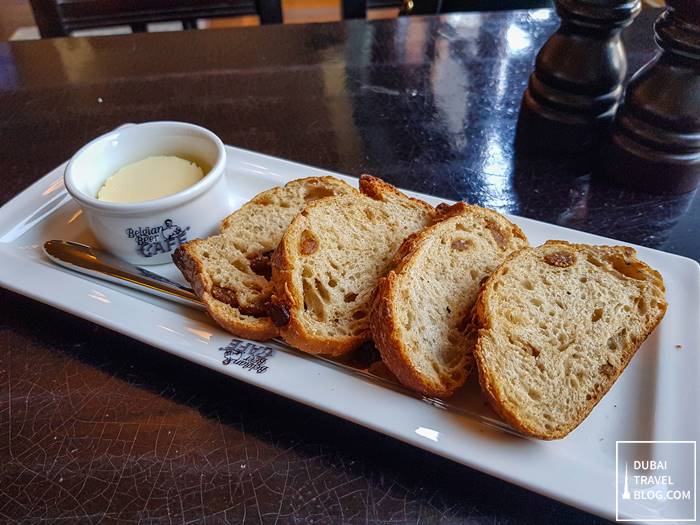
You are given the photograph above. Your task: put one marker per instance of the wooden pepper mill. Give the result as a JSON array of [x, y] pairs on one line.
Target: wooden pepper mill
[[655, 145], [578, 80]]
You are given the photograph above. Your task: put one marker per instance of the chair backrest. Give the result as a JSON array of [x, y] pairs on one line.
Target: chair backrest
[[358, 8], [429, 7], [60, 17]]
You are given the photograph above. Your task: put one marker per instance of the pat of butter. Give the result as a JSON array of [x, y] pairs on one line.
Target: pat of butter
[[149, 179]]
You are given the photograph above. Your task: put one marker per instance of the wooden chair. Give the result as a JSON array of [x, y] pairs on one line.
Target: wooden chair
[[429, 7], [60, 17], [358, 8]]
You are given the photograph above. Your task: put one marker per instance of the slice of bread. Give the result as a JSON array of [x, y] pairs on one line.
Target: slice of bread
[[558, 325], [328, 263], [230, 272], [421, 320]]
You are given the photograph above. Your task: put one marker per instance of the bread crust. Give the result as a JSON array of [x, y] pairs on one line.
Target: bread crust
[[489, 379], [383, 317], [375, 188]]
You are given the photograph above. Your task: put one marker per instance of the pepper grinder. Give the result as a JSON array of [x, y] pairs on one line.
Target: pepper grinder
[[655, 144], [578, 80]]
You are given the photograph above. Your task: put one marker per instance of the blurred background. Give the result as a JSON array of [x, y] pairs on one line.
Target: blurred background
[[32, 19], [17, 21]]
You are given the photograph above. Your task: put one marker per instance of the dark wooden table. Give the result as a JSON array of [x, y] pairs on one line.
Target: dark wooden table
[[95, 427]]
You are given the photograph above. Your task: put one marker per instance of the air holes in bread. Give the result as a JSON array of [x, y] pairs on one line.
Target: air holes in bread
[[318, 193], [564, 342], [626, 268], [322, 290], [642, 305], [240, 265], [350, 297], [615, 342], [534, 352], [514, 317], [313, 302], [597, 314], [534, 394], [594, 261]]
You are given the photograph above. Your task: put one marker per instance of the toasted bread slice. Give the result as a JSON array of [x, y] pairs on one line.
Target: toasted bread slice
[[558, 325], [330, 259], [230, 272], [421, 320]]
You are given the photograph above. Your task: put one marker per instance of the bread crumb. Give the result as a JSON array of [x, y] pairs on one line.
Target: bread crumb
[[679, 347]]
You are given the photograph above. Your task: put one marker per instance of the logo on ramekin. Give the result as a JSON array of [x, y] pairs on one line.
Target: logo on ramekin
[[655, 481], [247, 355], [152, 240]]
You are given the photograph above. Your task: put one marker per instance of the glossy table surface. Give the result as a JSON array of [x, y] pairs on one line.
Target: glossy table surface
[[95, 427]]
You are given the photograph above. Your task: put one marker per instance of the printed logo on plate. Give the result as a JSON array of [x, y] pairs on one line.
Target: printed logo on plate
[[162, 238], [248, 355]]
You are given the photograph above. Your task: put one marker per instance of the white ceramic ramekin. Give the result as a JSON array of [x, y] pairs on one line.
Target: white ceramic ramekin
[[148, 232]]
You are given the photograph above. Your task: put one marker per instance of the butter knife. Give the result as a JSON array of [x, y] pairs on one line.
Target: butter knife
[[101, 265]]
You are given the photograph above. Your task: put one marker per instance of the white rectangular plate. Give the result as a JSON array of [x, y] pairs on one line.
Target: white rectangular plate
[[655, 399]]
